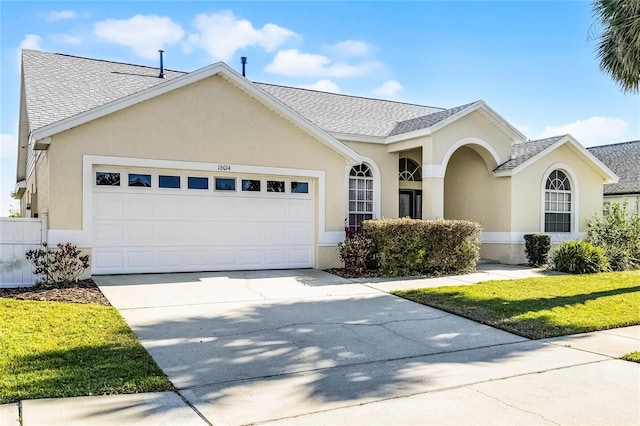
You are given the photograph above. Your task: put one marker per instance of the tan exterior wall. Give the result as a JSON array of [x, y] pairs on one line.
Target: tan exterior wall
[[208, 121], [388, 165], [328, 258], [37, 191], [473, 125], [471, 192], [527, 191], [504, 253]]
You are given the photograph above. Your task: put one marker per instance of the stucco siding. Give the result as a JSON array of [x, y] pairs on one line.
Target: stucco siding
[[474, 125], [471, 192], [528, 193], [208, 121]]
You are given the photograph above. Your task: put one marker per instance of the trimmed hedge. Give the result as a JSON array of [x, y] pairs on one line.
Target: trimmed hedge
[[405, 247], [536, 248]]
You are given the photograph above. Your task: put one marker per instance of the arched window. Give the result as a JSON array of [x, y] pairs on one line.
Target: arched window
[[409, 170], [557, 203], [360, 196]]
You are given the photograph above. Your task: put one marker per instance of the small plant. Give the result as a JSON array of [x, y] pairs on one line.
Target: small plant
[[579, 257], [358, 254], [59, 267], [617, 232], [536, 248]]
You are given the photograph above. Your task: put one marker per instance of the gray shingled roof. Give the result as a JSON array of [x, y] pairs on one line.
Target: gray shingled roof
[[624, 160], [60, 86], [426, 121], [347, 114], [521, 152]]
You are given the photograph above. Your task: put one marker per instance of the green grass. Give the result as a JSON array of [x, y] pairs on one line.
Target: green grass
[[632, 356], [543, 307], [52, 350]]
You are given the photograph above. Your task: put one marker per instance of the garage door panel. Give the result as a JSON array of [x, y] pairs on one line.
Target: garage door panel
[[187, 230]]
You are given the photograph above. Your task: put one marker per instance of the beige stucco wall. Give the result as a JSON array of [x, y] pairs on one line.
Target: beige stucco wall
[[504, 253], [632, 200], [471, 192], [387, 164], [473, 125], [208, 121], [527, 190]]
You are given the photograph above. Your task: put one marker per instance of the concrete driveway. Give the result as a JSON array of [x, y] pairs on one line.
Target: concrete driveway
[[306, 347]]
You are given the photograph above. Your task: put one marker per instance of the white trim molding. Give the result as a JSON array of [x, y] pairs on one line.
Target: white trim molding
[[439, 170]]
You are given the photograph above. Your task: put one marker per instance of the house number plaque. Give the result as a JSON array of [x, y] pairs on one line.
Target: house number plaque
[[225, 167]]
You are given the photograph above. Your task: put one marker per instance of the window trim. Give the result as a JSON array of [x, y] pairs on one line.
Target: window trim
[[416, 176], [573, 182], [374, 195]]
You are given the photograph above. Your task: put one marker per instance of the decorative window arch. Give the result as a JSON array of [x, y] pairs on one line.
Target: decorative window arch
[[360, 196], [409, 170], [558, 199]]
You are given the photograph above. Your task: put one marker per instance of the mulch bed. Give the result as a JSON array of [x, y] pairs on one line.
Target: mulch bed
[[85, 291]]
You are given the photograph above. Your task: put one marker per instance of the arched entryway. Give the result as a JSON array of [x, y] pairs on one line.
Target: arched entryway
[[471, 192]]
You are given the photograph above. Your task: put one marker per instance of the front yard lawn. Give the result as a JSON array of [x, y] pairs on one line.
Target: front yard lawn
[[537, 308], [54, 349]]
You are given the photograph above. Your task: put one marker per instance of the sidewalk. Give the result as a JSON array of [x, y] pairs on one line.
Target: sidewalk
[[535, 395]]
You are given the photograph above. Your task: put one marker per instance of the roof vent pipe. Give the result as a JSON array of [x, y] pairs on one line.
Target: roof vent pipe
[[161, 64], [243, 59]]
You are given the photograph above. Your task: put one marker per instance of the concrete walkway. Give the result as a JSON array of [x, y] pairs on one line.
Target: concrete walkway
[[306, 347]]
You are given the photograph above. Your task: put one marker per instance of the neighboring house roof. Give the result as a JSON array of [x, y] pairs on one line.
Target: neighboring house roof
[[521, 152], [624, 159]]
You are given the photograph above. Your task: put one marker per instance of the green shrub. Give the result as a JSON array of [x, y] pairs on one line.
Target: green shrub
[[358, 253], [536, 248], [418, 247], [617, 232], [57, 268], [579, 257]]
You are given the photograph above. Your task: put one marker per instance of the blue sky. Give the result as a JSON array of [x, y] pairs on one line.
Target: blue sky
[[533, 62]]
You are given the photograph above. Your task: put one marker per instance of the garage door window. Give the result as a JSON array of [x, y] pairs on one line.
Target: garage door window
[[165, 181], [275, 186], [250, 185], [197, 182], [139, 180], [107, 179], [225, 184], [299, 187]]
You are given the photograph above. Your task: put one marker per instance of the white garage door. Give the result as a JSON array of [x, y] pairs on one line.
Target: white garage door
[[173, 221]]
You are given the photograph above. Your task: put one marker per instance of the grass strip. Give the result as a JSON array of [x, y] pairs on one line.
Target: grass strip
[[543, 307], [53, 350]]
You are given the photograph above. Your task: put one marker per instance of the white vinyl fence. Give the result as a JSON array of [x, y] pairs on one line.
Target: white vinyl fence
[[17, 236]]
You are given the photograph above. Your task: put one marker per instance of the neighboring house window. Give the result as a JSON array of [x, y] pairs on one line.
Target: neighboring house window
[[360, 196], [409, 170], [557, 203]]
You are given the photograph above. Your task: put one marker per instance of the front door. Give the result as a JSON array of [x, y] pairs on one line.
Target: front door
[[410, 204]]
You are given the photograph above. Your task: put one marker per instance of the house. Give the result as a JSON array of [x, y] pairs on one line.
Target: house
[[208, 170], [624, 160]]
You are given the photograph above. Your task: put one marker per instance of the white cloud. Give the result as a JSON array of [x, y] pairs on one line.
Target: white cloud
[[592, 131], [8, 146], [221, 34], [32, 42], [294, 63], [323, 86], [145, 34], [351, 48], [66, 39], [58, 16], [388, 88]]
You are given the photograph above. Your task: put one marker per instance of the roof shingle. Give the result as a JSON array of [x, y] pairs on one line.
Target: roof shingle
[[521, 152], [624, 160]]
